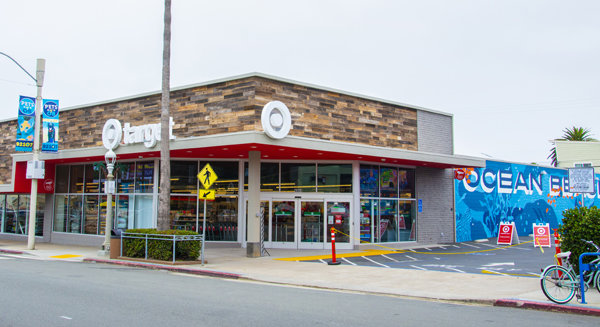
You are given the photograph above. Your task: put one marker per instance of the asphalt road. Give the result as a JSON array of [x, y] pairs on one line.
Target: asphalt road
[[53, 293], [469, 257]]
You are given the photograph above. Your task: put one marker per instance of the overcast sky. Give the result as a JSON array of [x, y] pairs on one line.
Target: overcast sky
[[513, 73]]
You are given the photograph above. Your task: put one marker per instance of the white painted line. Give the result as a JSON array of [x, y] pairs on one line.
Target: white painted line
[[4, 258], [411, 250], [436, 258], [457, 270], [493, 247], [456, 246], [323, 261], [416, 267], [375, 262], [389, 258], [65, 317], [348, 261], [471, 245], [411, 258], [499, 264], [428, 249], [442, 247]]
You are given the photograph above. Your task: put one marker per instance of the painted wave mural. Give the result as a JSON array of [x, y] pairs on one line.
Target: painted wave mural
[[523, 194]]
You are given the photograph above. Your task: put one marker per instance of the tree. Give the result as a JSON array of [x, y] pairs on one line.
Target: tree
[[164, 198], [570, 134]]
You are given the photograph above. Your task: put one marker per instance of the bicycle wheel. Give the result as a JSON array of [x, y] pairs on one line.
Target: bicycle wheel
[[558, 284], [597, 282]]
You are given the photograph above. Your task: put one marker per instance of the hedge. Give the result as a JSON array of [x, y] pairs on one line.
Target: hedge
[[161, 249], [577, 224]]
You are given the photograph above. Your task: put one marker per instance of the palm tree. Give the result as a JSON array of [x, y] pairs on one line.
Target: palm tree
[[164, 201], [571, 134]]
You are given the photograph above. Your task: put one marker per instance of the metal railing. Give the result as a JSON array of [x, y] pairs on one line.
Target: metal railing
[[162, 237]]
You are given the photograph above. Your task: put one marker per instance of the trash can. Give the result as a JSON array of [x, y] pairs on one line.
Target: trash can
[[115, 243]]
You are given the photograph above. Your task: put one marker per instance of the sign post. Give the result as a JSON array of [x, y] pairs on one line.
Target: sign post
[[581, 180], [207, 177]]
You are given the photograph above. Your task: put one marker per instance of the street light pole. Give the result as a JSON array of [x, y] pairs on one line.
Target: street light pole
[[40, 70], [110, 158]]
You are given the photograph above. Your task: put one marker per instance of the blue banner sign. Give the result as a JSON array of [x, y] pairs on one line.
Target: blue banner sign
[[26, 124], [50, 126], [523, 194]]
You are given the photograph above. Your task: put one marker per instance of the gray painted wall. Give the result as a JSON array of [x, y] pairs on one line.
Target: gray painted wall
[[436, 223], [435, 132]]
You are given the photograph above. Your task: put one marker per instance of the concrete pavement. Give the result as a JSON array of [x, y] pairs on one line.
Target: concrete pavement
[[226, 262]]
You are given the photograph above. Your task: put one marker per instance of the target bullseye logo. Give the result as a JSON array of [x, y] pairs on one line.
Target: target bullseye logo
[[505, 229], [111, 134], [276, 119], [541, 231]]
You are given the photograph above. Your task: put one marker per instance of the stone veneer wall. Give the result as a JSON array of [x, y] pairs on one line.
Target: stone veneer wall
[[235, 106]]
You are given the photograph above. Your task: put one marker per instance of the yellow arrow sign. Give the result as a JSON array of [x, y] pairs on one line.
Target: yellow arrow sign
[[207, 176], [206, 194]]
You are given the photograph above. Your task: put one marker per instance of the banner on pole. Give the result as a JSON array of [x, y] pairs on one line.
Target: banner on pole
[[50, 126], [26, 124]]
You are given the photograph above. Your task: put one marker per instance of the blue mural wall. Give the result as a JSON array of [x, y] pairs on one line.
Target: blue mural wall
[[522, 194]]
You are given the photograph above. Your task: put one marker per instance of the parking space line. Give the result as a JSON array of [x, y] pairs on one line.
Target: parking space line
[[471, 245], [411, 258], [457, 270], [348, 261], [494, 247], [417, 267], [390, 258], [375, 262], [323, 261]]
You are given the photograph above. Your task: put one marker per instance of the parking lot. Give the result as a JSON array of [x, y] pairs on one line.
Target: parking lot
[[469, 257]]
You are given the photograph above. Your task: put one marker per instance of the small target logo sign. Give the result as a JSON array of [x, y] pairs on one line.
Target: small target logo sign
[[541, 235], [506, 229], [506, 233]]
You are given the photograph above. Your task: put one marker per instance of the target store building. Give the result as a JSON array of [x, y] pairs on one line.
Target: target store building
[[292, 160]]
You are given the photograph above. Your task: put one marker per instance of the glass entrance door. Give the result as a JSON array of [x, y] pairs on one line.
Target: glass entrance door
[[297, 224], [312, 229]]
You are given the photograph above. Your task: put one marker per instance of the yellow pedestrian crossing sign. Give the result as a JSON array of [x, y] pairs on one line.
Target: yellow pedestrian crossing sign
[[206, 194], [207, 176]]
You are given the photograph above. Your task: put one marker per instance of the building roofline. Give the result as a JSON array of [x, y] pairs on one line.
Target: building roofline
[[249, 75]]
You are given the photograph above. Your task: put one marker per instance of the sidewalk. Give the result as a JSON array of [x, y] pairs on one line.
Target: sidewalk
[[232, 263]]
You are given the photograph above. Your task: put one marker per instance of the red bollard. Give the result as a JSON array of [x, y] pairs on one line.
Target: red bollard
[[557, 245], [333, 261]]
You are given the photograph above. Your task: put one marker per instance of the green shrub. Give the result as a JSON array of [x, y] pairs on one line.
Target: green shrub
[[577, 224], [161, 249]]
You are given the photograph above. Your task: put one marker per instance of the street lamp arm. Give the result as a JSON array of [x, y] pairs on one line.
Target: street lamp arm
[[9, 57]]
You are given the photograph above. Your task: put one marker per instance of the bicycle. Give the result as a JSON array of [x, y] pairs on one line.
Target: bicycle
[[560, 283]]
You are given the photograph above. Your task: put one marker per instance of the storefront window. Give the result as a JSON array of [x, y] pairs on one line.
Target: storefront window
[[76, 179], [90, 209], [388, 182], [125, 177], [184, 177], [92, 179], [2, 214], [227, 173], [388, 221], [338, 217], [143, 211], [102, 220], [62, 179], [298, 177], [74, 214], [183, 213], [269, 177], [334, 178], [283, 221], [369, 181], [61, 207], [368, 216], [144, 180], [124, 203], [406, 181], [12, 210], [221, 218], [407, 220]]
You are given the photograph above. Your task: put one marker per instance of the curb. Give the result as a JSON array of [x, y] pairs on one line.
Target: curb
[[524, 304], [12, 251], [184, 270]]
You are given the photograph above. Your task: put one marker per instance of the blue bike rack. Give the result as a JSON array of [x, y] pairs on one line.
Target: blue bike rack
[[583, 267]]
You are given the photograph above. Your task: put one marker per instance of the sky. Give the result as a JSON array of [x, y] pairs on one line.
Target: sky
[[514, 74]]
